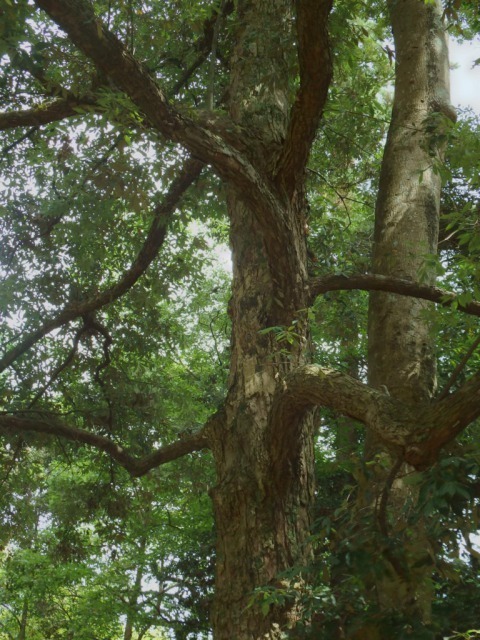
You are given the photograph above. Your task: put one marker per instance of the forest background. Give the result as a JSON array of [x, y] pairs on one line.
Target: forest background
[[156, 481]]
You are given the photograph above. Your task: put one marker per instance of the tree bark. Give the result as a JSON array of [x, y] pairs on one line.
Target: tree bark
[[262, 519], [401, 351]]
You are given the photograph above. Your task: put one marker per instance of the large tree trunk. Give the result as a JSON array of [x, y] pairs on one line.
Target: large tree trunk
[[401, 355], [262, 519], [408, 204]]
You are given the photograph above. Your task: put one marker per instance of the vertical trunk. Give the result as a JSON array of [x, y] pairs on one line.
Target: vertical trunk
[[401, 348], [401, 355], [262, 523], [261, 527]]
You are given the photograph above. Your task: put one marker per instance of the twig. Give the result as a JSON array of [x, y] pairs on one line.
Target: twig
[[19, 140]]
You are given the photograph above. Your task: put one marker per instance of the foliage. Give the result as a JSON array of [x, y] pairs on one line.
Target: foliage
[[86, 548]]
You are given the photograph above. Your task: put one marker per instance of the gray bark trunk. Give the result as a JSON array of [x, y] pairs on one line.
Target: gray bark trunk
[[401, 353], [401, 350]]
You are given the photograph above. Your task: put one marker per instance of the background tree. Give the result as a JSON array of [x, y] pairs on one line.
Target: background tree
[[201, 120]]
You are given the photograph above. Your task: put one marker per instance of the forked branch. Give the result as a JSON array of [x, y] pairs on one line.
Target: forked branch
[[213, 140]]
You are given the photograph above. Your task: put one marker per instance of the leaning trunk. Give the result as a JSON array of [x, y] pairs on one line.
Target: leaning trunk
[[401, 347]]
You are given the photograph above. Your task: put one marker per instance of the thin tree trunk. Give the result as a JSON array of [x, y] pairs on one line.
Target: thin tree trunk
[[22, 633], [136, 591]]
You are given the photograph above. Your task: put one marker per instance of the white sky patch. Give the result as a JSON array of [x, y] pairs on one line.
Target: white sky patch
[[221, 252], [464, 77]]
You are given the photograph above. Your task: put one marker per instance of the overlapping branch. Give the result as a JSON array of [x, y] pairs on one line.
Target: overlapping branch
[[310, 386], [111, 57], [389, 284], [315, 65], [155, 238]]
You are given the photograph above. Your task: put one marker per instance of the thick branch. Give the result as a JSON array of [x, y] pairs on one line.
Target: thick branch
[[148, 252], [43, 114], [446, 419], [213, 140], [315, 75], [135, 466], [312, 385], [417, 433], [376, 282]]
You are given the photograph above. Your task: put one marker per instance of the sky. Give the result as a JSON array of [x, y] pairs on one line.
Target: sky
[[465, 80]]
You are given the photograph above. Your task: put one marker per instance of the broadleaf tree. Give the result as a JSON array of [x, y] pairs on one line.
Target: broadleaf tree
[[138, 135]]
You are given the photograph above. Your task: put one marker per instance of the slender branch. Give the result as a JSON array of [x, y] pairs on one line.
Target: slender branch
[[383, 504], [135, 466], [376, 282], [382, 514], [7, 148], [210, 96], [61, 367], [315, 65], [155, 238]]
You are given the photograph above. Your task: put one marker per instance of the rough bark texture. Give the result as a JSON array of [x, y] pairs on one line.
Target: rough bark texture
[[262, 525]]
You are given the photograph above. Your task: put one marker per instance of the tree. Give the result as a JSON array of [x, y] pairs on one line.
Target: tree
[[240, 106]]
